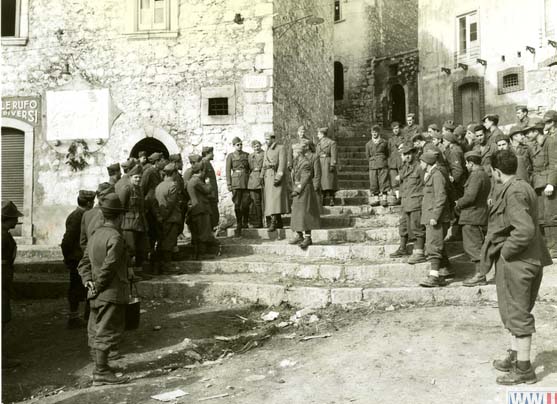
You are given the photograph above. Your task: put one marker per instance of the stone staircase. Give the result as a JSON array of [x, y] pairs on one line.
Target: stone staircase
[[354, 172], [348, 263]]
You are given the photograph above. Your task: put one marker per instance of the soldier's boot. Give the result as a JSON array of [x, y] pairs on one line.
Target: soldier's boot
[[506, 364], [518, 376], [478, 279], [306, 242], [324, 199], [279, 225], [273, 226], [298, 239], [417, 257], [103, 374], [245, 219], [384, 201], [401, 251], [238, 230], [432, 281], [391, 200], [374, 200], [332, 198]]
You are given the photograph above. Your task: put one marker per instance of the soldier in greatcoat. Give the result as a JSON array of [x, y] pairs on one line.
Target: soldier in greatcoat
[[150, 178], [395, 140], [305, 206], [237, 177], [313, 157], [169, 216], [377, 153], [411, 192], [327, 151], [181, 188], [473, 211], [436, 216], [255, 184], [544, 179], [522, 151], [104, 272], [515, 245], [275, 191], [93, 219], [72, 252], [207, 155]]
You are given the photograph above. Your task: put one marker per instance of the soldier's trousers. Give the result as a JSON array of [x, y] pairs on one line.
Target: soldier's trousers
[[393, 172], [106, 324], [76, 291], [256, 207], [379, 181], [136, 241], [434, 245], [153, 232], [517, 283], [168, 238], [410, 227], [473, 237], [241, 200], [7, 281]]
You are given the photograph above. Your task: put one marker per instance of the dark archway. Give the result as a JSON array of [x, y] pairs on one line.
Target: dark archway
[[339, 81], [149, 145], [398, 104]]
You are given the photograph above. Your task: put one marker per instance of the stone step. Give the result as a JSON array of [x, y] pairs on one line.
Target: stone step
[[352, 155], [353, 141], [350, 193], [351, 184], [361, 209], [353, 175], [356, 200], [350, 235], [354, 166], [351, 148], [327, 221], [267, 290]]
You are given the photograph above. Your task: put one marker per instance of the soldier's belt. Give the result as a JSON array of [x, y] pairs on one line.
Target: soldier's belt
[[324, 155], [239, 170], [256, 169]]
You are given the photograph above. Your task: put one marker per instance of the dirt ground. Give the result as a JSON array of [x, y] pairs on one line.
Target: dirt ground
[[418, 355]]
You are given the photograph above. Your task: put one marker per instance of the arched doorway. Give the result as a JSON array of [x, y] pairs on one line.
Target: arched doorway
[[13, 171], [149, 145], [398, 104], [470, 99]]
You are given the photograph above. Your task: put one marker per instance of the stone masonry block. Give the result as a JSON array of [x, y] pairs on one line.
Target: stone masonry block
[[384, 297], [346, 295], [308, 272], [255, 82], [308, 297], [330, 272]]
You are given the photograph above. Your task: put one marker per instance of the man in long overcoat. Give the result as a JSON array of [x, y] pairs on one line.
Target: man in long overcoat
[[207, 155], [275, 194], [327, 152]]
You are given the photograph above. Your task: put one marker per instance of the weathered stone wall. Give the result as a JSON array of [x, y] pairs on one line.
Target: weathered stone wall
[[303, 71], [156, 82]]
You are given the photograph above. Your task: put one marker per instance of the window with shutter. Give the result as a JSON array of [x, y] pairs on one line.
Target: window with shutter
[[13, 148], [152, 15]]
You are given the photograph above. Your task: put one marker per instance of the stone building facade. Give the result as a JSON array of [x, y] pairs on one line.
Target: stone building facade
[[479, 57], [376, 61], [157, 75]]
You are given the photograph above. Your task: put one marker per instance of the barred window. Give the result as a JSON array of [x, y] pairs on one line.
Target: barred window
[[218, 106], [510, 80]]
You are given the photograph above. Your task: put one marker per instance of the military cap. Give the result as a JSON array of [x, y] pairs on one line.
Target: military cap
[[417, 136], [111, 204], [256, 142], [129, 163], [236, 140], [449, 125], [408, 148], [516, 129], [301, 127], [471, 126], [550, 115], [88, 195], [104, 189], [194, 158], [459, 131], [136, 170], [175, 157], [323, 130], [170, 167], [437, 135], [113, 169], [500, 137], [10, 210], [411, 115], [142, 153], [207, 149], [534, 123], [196, 167], [474, 156], [376, 128], [155, 157], [521, 108], [394, 124], [449, 137], [429, 157], [433, 126], [479, 127], [492, 117]]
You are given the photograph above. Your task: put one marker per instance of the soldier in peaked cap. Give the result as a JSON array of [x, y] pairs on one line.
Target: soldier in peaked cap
[[377, 153], [114, 173], [275, 191], [255, 184], [522, 151], [237, 177], [207, 155], [104, 272], [72, 252], [550, 120]]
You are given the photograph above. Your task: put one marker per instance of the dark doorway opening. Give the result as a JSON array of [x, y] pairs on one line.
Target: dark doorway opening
[[470, 98], [149, 145], [339, 81], [398, 104], [13, 159]]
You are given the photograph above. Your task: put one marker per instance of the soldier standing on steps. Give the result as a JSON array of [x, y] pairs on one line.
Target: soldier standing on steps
[[73, 253], [207, 155], [149, 180], [436, 215], [377, 152], [515, 245], [255, 184], [275, 190], [305, 207], [313, 157], [104, 272], [181, 188], [327, 152], [473, 212], [411, 192], [237, 177], [411, 129], [395, 162]]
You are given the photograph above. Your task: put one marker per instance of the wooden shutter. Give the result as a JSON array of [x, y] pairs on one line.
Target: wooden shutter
[[12, 166]]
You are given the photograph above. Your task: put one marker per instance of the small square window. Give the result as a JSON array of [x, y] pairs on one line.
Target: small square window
[[218, 106], [510, 80]]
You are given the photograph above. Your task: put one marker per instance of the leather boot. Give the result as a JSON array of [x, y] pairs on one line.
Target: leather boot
[[374, 201], [417, 257], [477, 280], [273, 225], [401, 252], [296, 240], [103, 374], [505, 364], [306, 243], [518, 376]]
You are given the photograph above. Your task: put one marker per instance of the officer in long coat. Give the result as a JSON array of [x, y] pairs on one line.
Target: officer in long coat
[[473, 211], [411, 192], [436, 216], [93, 219], [301, 134], [395, 161], [150, 178], [237, 177], [515, 245], [72, 252], [313, 157], [327, 152], [104, 272], [255, 184], [181, 188], [275, 191], [169, 215], [377, 153], [207, 154], [305, 206]]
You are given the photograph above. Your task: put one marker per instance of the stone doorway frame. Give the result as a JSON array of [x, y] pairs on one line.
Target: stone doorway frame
[[164, 137], [28, 176]]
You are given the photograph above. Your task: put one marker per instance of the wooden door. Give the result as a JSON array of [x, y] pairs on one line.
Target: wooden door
[[470, 96]]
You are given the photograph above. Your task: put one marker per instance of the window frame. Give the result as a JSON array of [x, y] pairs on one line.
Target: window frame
[[136, 29], [227, 91], [519, 71], [21, 36], [340, 17], [469, 19]]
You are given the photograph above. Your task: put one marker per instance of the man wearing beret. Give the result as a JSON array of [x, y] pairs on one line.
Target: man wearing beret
[[237, 177], [377, 153], [411, 128], [436, 216], [104, 272], [168, 215], [544, 179], [93, 219], [522, 151], [411, 192], [522, 119], [114, 173], [150, 178], [275, 188], [515, 245], [207, 155], [255, 184], [490, 122], [473, 211], [72, 252], [10, 217]]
